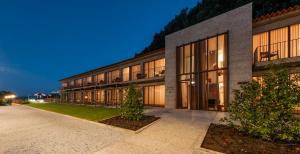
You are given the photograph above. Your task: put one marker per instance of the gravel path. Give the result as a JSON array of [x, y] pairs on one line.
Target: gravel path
[[27, 130]]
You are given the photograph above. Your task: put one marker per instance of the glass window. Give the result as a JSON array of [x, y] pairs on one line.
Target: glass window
[[100, 96], [100, 78], [260, 45], [89, 79], [72, 83], [113, 96], [187, 59], [109, 78], [88, 96], [149, 69], [203, 55], [212, 53], [64, 84], [279, 43], [211, 81], [154, 68], [113, 76], [154, 95], [79, 82], [160, 67], [221, 52], [125, 74], [295, 40], [135, 72], [78, 96]]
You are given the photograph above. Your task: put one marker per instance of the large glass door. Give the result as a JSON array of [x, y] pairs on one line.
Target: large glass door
[[186, 77], [213, 73], [202, 82]]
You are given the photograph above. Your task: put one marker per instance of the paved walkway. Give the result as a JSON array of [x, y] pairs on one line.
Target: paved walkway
[[28, 130]]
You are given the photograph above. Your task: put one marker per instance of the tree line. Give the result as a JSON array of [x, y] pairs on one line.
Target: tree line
[[210, 8]]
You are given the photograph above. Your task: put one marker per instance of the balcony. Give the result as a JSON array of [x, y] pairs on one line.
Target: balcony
[[155, 72], [281, 52]]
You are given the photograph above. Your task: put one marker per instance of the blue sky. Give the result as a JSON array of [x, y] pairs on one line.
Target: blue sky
[[43, 41]]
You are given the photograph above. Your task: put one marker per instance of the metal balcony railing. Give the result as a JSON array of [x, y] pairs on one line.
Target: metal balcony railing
[[280, 50], [155, 72]]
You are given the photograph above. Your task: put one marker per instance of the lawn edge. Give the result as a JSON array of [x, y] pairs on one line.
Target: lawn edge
[[97, 122], [81, 119]]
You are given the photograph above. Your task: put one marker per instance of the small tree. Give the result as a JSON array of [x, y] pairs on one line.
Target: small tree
[[266, 109], [132, 108]]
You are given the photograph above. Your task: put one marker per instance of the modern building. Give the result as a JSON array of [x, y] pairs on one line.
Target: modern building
[[200, 65]]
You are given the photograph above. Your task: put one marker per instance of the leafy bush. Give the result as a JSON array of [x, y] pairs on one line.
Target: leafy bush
[[266, 109], [132, 108]]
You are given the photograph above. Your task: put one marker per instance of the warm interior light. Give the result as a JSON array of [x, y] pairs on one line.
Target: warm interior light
[[220, 59], [9, 96]]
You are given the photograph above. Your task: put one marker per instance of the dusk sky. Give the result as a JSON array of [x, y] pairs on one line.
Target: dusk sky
[[42, 42]]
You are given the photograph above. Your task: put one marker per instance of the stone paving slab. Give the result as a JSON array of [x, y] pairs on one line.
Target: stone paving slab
[[28, 130]]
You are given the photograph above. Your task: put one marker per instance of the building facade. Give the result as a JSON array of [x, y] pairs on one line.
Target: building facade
[[107, 85], [201, 65]]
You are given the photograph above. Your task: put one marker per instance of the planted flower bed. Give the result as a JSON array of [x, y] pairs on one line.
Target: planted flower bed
[[264, 110], [227, 139], [130, 124], [132, 109]]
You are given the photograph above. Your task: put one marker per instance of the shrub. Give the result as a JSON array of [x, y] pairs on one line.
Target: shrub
[[132, 108], [266, 109]]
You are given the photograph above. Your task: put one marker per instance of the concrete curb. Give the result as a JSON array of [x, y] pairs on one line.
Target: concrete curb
[[147, 126]]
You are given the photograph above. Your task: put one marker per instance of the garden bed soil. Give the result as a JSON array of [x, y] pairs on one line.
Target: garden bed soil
[[226, 139], [129, 124]]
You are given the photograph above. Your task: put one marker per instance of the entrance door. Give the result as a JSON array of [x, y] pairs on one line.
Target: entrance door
[[188, 95], [185, 94]]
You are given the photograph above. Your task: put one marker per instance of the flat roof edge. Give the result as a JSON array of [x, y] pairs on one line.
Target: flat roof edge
[[116, 63]]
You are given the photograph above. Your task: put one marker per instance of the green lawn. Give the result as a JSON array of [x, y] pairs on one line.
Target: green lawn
[[84, 112]]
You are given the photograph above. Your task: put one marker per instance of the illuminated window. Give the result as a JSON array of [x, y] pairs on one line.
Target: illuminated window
[[154, 95], [89, 79], [113, 97], [160, 67], [113, 76], [279, 43], [79, 82], [206, 89], [100, 78], [72, 83], [260, 44], [154, 68], [149, 69], [100, 96], [64, 84], [135, 72], [125, 73], [295, 40]]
